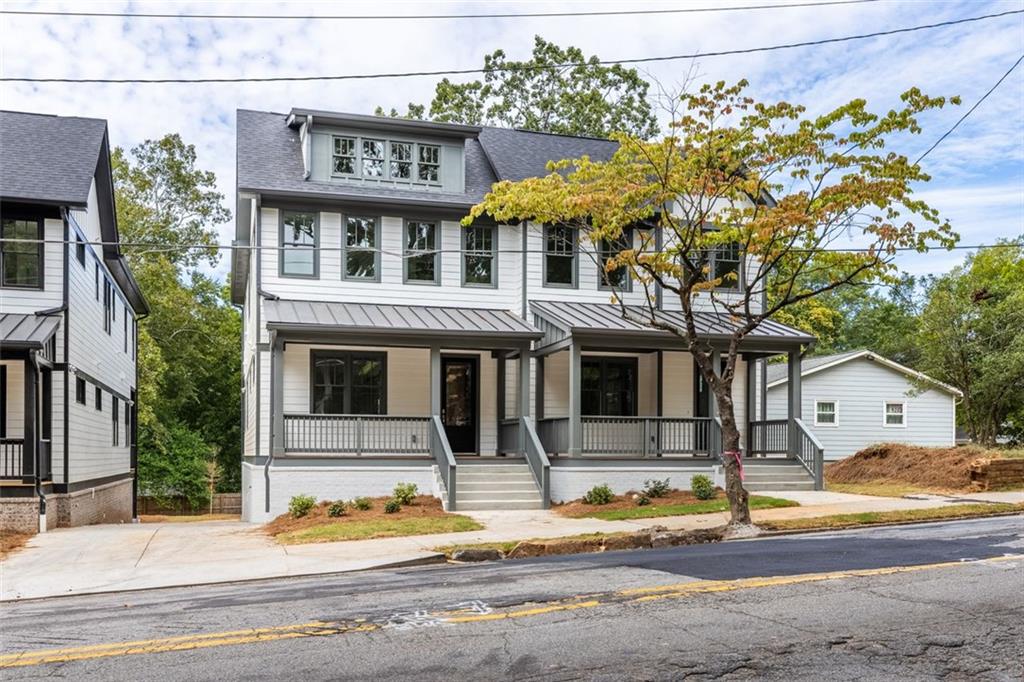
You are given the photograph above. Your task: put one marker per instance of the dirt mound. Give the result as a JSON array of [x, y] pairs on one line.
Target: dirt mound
[[936, 468]]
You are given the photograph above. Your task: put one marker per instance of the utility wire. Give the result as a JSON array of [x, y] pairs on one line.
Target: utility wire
[[420, 17], [457, 72], [971, 110]]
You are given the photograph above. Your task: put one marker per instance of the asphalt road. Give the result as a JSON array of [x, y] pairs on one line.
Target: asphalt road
[[936, 601]]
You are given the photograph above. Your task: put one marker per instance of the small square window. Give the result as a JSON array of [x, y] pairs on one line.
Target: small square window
[[80, 390], [99, 398], [895, 414], [825, 413]]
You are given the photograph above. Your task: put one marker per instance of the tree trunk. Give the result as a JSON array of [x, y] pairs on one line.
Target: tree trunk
[[739, 507]]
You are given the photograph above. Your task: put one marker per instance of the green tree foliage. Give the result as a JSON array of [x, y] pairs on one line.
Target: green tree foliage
[[559, 90], [830, 176], [972, 337], [189, 360]]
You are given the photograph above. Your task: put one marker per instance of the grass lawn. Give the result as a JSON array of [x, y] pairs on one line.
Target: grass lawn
[[654, 510], [365, 529], [868, 518], [165, 518]]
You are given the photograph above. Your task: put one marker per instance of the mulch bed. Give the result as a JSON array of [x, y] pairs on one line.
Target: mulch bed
[[933, 468], [579, 508], [422, 506]]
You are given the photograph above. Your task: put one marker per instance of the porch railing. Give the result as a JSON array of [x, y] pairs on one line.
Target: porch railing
[[442, 452], [10, 457], [769, 437], [537, 459], [508, 436], [633, 436], [811, 454], [45, 460], [356, 434]]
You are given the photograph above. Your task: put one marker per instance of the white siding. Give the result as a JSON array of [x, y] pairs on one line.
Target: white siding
[[51, 295], [860, 389], [15, 398]]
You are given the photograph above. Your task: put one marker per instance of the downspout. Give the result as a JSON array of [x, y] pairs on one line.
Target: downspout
[[270, 450], [135, 425], [38, 481]]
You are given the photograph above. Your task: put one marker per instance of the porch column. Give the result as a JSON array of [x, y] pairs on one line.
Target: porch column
[[524, 382], [575, 383], [795, 400], [716, 367], [500, 398], [538, 400], [660, 406], [28, 449], [750, 405], [435, 380], [277, 396]]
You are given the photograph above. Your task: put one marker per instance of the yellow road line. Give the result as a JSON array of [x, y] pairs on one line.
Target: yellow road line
[[453, 617]]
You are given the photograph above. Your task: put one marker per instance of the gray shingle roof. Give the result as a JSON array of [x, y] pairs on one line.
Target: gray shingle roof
[[777, 370], [607, 318], [395, 319], [270, 160], [19, 331], [48, 159]]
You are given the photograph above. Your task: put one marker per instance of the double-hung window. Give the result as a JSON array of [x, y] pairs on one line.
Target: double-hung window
[[422, 259], [382, 159], [429, 163], [362, 248], [726, 265], [400, 167], [344, 157], [559, 256], [299, 242], [616, 278], [373, 158], [348, 382], [21, 262], [608, 386], [826, 413], [478, 256], [895, 414]]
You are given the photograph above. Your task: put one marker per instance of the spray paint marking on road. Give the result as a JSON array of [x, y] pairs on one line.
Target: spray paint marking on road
[[458, 614]]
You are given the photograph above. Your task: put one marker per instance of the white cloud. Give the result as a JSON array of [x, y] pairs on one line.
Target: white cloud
[[978, 172]]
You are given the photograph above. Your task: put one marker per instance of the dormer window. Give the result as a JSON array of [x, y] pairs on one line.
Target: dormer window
[[379, 159], [344, 155]]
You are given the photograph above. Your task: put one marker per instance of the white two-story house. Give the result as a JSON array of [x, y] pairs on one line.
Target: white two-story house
[[384, 342], [69, 309]]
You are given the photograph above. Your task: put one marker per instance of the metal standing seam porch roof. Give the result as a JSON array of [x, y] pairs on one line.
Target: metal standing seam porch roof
[[328, 316], [26, 331], [606, 319]]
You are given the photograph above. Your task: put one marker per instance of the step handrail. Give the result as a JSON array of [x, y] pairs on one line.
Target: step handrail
[[540, 465], [816, 464], [442, 451]]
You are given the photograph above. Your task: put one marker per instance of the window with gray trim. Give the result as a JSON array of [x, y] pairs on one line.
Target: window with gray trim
[[478, 261], [362, 248], [559, 256], [344, 157], [377, 158], [607, 250], [422, 259], [429, 163], [80, 249], [21, 262], [373, 158], [348, 382], [299, 240], [80, 390], [400, 167]]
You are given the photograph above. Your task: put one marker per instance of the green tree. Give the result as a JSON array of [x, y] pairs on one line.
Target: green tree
[[189, 363], [972, 337], [556, 91], [829, 176]]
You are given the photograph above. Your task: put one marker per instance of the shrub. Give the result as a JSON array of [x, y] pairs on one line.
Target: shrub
[[599, 494], [405, 493], [642, 500], [392, 506], [702, 487], [362, 503], [656, 488], [336, 509], [300, 505]]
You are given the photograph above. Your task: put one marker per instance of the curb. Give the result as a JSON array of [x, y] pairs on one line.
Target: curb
[[886, 524], [431, 559]]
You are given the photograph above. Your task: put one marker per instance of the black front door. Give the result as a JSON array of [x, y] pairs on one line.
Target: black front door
[[459, 402]]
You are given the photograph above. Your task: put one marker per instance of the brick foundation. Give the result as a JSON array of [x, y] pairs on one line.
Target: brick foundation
[[107, 503]]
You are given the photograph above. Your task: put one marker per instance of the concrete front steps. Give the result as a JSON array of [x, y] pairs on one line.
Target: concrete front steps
[[503, 484], [777, 474]]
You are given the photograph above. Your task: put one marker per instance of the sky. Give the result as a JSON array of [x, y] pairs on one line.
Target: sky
[[977, 173]]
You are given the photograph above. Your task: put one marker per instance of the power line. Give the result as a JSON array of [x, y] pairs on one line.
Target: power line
[[420, 17], [458, 72], [971, 110]]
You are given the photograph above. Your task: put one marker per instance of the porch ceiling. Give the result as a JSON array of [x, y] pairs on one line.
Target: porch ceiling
[[594, 320], [397, 320], [26, 332]]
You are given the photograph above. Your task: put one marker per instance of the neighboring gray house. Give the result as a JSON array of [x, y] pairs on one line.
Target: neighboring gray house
[[68, 314], [384, 342], [855, 399]]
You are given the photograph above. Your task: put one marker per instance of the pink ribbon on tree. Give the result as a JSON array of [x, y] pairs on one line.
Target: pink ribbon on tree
[[737, 455]]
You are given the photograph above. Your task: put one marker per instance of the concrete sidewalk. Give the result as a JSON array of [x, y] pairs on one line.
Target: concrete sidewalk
[[110, 558]]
